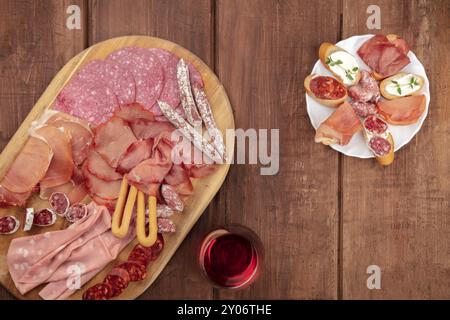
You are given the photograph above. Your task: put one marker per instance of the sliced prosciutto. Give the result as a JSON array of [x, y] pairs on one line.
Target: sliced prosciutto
[[383, 56], [8, 198], [61, 167], [339, 127], [29, 167], [105, 189], [100, 168], [135, 154], [80, 138], [403, 111], [112, 140]]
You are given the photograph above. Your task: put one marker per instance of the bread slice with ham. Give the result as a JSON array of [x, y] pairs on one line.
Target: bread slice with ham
[[402, 111], [339, 127]]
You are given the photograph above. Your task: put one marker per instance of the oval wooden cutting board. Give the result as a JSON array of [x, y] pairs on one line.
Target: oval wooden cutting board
[[204, 189]]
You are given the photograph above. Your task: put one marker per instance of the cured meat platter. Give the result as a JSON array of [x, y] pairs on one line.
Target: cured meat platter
[[346, 63], [203, 191]]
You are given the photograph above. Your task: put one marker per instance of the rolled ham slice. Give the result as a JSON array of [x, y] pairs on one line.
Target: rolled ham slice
[[339, 127], [29, 167], [112, 140], [61, 167]]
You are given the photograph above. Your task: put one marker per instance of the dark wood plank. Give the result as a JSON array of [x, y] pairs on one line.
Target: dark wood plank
[[398, 217], [187, 23], [34, 45], [264, 51]]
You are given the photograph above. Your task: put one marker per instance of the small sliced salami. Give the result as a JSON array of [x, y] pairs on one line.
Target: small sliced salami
[[380, 146], [59, 202], [100, 291], [163, 211], [9, 225], [137, 270], [118, 279], [140, 254], [76, 212], [166, 225], [157, 247], [375, 125], [44, 218], [172, 198]]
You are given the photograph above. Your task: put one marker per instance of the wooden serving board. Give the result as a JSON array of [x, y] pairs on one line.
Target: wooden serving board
[[204, 189]]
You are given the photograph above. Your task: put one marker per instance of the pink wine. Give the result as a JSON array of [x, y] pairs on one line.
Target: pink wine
[[230, 260]]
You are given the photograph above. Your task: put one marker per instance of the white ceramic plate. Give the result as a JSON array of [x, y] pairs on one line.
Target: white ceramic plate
[[357, 146]]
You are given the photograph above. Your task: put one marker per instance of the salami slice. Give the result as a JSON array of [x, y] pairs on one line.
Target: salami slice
[[44, 218], [166, 225], [100, 291], [172, 198], [140, 254], [59, 202], [118, 279], [380, 146], [76, 212], [9, 225], [163, 211], [137, 270], [146, 69], [375, 125], [157, 247]]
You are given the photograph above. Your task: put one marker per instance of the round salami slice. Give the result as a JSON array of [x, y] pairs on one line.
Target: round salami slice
[[146, 70], [380, 146], [172, 198], [118, 279], [157, 247], [375, 125], [100, 291], [76, 212], [170, 92], [137, 270], [163, 211], [141, 254], [44, 218], [59, 202], [363, 109], [9, 225], [121, 82]]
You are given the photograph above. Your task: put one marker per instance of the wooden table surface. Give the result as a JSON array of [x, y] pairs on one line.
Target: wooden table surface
[[325, 217]]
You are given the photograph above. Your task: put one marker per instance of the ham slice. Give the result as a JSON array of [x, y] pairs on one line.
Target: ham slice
[[402, 111], [149, 174], [145, 129], [339, 127], [8, 198], [201, 170], [66, 188], [61, 167], [179, 179], [112, 140], [135, 154], [78, 193], [80, 139], [105, 189], [133, 111], [100, 168], [29, 167]]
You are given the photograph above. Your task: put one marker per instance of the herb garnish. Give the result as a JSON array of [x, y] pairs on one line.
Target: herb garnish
[[349, 73], [413, 82]]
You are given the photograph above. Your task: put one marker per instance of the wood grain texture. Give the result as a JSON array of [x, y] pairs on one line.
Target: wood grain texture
[[187, 23], [34, 45], [265, 50], [398, 217]]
